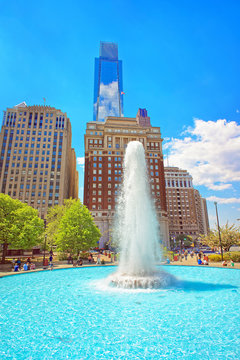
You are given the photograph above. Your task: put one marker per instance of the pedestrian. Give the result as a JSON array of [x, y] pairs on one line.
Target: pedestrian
[[19, 262], [51, 261], [99, 259], [13, 263], [70, 260]]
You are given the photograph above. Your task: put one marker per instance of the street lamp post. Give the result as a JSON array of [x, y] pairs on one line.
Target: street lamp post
[[219, 233], [45, 243]]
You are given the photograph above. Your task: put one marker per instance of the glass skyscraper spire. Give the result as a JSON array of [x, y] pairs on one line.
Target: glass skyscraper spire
[[108, 90]]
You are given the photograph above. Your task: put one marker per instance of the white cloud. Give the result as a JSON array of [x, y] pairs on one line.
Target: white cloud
[[210, 151], [81, 161], [224, 200]]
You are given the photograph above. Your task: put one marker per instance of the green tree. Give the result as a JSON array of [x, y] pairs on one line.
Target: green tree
[[230, 235], [181, 240], [77, 230], [20, 225], [54, 216]]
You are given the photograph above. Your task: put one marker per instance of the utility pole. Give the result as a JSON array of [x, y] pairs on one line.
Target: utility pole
[[219, 233]]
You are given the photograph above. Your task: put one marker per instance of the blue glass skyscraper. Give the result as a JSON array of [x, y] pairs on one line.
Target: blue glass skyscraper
[[108, 89]]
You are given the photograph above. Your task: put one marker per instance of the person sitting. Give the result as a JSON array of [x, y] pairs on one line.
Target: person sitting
[[80, 262], [205, 260], [29, 260], [89, 258], [32, 266], [167, 261], [231, 263], [25, 267], [224, 263], [200, 261], [16, 268]]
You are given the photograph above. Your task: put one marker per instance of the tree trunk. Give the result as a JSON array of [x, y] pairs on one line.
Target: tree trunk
[[4, 253]]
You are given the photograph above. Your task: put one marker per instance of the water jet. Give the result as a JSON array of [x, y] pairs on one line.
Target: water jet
[[136, 227]]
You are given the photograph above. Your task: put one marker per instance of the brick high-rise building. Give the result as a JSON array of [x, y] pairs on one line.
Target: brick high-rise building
[[202, 214], [37, 165], [186, 211], [105, 144]]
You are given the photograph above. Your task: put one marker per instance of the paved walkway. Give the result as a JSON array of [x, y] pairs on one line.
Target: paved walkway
[[63, 265], [193, 262]]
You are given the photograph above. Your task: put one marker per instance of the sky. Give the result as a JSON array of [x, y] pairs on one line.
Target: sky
[[180, 62]]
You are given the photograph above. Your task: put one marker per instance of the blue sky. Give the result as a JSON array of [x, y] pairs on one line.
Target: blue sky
[[180, 61]]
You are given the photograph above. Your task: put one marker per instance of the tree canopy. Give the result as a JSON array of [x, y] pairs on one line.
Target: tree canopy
[[72, 227], [20, 225], [230, 235], [181, 240]]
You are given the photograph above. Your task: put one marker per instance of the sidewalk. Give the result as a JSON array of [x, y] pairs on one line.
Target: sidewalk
[[193, 262], [64, 265], [56, 265]]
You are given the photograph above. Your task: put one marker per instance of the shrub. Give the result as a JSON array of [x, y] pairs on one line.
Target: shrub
[[84, 255], [169, 255], [62, 256], [235, 256]]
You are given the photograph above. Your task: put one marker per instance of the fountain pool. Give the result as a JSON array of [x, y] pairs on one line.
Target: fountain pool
[[63, 314]]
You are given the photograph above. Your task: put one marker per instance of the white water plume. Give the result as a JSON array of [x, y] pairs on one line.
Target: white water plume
[[136, 226]]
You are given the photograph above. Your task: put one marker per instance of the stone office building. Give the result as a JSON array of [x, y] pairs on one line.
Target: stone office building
[[187, 211], [37, 165], [105, 143]]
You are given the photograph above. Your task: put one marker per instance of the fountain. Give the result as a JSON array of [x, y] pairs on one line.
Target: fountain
[[137, 228], [95, 314]]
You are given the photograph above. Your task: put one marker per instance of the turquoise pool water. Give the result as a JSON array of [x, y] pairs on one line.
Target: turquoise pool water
[[65, 314]]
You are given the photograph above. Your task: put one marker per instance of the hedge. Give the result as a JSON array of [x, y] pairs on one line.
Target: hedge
[[234, 256]]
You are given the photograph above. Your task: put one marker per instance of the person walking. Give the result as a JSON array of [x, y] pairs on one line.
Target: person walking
[[51, 261], [99, 259]]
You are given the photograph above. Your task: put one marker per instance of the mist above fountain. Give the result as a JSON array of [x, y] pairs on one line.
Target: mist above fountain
[[136, 228]]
